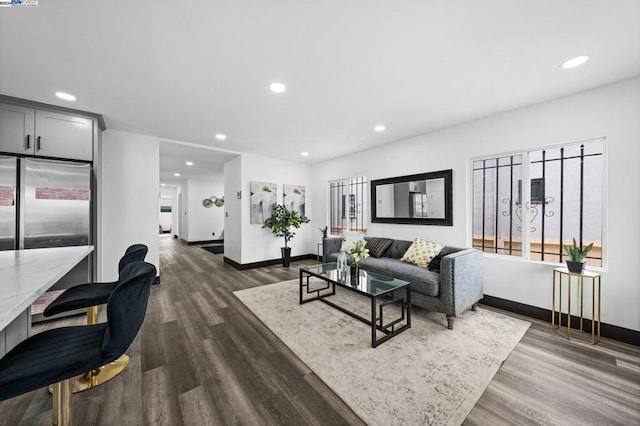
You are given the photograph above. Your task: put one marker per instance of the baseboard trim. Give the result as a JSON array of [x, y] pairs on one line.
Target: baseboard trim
[[610, 331], [245, 266], [190, 243]]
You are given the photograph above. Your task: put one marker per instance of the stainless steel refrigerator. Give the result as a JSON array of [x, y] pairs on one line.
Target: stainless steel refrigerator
[[46, 203]]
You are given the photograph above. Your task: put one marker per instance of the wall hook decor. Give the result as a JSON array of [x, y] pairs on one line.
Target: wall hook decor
[[208, 202]]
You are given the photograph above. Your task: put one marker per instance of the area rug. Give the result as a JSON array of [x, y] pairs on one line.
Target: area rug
[[219, 249], [428, 375], [45, 300]]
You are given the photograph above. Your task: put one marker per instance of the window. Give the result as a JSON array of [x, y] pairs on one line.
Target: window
[[558, 197], [348, 205]]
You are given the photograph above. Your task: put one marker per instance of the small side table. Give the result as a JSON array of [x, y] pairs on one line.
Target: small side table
[[580, 335], [319, 252]]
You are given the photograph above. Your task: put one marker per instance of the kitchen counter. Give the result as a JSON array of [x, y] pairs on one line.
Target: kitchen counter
[[24, 276]]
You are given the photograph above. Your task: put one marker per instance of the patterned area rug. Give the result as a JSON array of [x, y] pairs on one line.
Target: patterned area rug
[[45, 300], [428, 375]]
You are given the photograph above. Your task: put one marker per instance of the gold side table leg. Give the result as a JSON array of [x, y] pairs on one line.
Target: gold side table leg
[[553, 303], [569, 307]]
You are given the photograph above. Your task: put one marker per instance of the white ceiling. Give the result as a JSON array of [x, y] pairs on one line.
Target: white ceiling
[[208, 164], [187, 70]]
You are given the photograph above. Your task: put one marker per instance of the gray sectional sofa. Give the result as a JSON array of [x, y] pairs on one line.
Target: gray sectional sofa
[[457, 287]]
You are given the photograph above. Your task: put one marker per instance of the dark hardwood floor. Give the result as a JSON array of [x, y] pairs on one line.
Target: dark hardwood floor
[[203, 359]]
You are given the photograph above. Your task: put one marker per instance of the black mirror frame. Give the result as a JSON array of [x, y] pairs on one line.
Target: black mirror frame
[[448, 199]]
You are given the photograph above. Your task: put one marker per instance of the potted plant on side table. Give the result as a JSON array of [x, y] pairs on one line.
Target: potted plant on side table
[[577, 254], [282, 224]]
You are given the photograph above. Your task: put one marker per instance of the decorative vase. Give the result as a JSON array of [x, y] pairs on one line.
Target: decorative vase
[[575, 267], [342, 261], [286, 256], [355, 275]]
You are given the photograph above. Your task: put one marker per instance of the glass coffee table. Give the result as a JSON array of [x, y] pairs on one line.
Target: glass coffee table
[[370, 284]]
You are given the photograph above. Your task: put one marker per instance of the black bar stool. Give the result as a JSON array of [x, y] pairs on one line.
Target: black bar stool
[[58, 355], [90, 296]]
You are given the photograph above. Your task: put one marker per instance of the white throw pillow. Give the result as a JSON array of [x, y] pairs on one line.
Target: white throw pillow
[[349, 239]]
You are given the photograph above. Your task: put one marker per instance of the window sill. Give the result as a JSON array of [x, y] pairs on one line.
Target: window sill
[[539, 262]]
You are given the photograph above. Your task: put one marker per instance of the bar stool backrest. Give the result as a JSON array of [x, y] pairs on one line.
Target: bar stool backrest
[[134, 253], [126, 309]]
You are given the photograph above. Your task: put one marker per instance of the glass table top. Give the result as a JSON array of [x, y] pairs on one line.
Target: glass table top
[[370, 283]]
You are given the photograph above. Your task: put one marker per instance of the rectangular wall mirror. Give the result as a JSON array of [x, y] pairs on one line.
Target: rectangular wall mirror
[[422, 199]]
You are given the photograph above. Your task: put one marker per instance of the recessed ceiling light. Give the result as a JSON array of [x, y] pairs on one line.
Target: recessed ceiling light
[[277, 87], [163, 184], [304, 154], [379, 128], [575, 62], [176, 174], [65, 96], [189, 163], [221, 137]]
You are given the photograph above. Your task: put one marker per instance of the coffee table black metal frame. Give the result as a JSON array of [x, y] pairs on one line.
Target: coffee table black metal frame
[[376, 322]]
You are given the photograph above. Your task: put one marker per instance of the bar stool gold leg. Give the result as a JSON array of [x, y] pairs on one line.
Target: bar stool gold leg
[[100, 375], [62, 403]]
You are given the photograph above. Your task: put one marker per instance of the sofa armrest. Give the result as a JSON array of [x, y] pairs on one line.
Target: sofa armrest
[[330, 245], [461, 280]]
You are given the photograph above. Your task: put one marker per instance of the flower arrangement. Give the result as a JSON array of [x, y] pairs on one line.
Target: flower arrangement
[[358, 252]]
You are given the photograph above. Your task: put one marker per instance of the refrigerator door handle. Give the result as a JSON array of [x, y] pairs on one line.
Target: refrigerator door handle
[[38, 143]]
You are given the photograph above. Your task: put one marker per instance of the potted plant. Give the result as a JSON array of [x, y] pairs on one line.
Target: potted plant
[[577, 254], [282, 223], [324, 232]]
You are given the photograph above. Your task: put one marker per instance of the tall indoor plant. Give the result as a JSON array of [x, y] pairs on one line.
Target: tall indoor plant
[[282, 224]]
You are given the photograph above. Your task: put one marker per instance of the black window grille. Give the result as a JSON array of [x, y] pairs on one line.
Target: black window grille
[[565, 202], [348, 205]]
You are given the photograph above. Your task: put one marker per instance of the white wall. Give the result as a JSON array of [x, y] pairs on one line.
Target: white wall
[[128, 198], [204, 223], [260, 244], [612, 111], [233, 209]]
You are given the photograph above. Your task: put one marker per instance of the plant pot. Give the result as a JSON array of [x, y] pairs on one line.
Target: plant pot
[[286, 256], [576, 267]]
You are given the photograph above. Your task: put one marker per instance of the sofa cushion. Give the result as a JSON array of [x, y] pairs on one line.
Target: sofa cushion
[[377, 246], [397, 249], [422, 280], [349, 239], [421, 252]]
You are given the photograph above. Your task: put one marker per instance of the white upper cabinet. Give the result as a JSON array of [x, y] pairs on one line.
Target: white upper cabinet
[[63, 136], [45, 133], [17, 129]]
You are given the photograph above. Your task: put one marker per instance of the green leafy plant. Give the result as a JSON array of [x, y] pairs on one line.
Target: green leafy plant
[[282, 222], [358, 252], [577, 253], [324, 231]]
